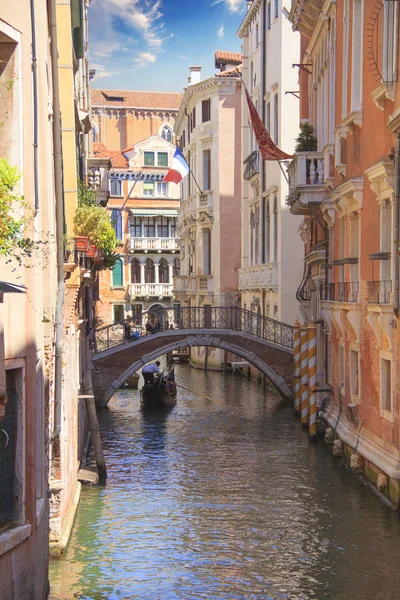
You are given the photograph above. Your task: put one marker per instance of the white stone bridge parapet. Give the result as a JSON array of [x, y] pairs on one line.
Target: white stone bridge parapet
[[265, 343]]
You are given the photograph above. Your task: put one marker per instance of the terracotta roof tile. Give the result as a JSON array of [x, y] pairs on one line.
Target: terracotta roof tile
[[236, 72], [118, 160], [132, 99], [231, 58]]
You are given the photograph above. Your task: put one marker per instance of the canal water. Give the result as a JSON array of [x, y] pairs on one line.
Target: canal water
[[225, 499]]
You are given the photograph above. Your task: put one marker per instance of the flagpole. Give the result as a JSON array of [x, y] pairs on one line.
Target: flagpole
[[194, 178], [191, 172]]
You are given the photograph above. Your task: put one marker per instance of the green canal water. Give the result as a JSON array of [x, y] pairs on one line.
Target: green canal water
[[225, 499]]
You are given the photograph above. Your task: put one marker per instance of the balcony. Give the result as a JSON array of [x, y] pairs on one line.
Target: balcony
[[251, 166], [97, 178], [205, 202], [184, 284], [379, 292], [149, 290], [259, 276], [307, 187], [343, 291], [205, 284], [153, 244]]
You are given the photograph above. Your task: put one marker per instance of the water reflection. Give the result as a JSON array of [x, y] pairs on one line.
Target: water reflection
[[225, 499]]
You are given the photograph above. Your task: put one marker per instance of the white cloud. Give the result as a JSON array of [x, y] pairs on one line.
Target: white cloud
[[145, 58], [220, 32], [232, 5], [103, 72], [122, 21]]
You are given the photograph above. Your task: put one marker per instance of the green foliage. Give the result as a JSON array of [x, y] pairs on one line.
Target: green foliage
[[109, 260], [93, 222], [12, 241], [306, 140], [86, 196]]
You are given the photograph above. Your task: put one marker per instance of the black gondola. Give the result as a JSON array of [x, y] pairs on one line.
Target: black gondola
[[161, 394]]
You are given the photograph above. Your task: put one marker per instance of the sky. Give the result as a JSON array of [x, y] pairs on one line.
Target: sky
[[148, 45]]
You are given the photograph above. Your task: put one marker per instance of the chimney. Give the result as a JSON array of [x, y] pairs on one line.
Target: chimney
[[195, 75]]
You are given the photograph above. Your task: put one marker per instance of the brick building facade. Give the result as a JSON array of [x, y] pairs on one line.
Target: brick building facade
[[345, 188]]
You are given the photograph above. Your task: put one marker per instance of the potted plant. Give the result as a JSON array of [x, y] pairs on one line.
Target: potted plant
[[306, 141]]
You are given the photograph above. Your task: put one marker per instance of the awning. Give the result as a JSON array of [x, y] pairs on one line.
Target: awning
[[11, 288], [162, 212]]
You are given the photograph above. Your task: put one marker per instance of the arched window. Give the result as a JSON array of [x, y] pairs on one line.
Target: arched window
[[95, 132], [117, 274], [116, 222], [166, 133], [149, 272], [176, 269], [267, 234], [135, 271], [163, 271], [275, 230]]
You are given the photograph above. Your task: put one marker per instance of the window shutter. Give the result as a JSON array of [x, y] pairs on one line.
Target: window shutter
[[117, 278], [205, 108], [149, 159], [162, 159]]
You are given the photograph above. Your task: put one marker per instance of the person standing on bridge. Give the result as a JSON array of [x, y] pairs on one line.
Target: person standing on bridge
[[149, 371]]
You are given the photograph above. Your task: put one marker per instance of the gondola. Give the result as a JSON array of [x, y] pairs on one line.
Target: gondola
[[159, 395]]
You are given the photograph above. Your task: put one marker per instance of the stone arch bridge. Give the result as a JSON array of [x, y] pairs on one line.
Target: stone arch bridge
[[265, 343]]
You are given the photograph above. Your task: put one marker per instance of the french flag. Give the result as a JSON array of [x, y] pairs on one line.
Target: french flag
[[179, 168]]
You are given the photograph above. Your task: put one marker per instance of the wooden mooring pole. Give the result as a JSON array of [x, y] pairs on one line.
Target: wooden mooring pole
[[94, 425]]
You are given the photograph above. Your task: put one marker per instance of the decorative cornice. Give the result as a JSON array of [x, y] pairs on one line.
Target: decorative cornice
[[394, 121], [243, 29], [381, 178]]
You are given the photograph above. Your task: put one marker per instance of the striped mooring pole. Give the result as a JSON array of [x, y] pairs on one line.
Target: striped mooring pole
[[304, 375], [297, 368], [312, 381]]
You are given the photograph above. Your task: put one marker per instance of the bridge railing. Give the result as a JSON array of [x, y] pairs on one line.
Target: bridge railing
[[193, 317]]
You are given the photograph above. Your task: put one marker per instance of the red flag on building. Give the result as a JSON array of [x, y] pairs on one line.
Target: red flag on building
[[269, 150]]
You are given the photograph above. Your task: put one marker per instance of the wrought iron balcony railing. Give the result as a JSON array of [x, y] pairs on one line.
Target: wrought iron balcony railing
[[343, 291], [379, 292], [251, 166]]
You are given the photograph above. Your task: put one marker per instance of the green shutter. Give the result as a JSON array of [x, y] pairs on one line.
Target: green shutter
[[162, 159], [117, 279], [149, 159], [148, 185]]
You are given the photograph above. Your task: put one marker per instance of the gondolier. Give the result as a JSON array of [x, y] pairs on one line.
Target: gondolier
[[149, 371]]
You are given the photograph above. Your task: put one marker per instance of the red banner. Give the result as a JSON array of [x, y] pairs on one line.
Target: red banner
[[268, 150]]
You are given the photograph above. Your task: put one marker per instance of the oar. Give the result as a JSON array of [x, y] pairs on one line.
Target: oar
[[196, 393]]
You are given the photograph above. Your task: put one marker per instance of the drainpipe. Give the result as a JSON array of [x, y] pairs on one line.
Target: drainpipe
[[35, 107], [396, 227], [262, 165], [59, 200]]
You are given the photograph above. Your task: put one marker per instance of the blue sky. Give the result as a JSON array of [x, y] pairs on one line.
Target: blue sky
[[150, 44]]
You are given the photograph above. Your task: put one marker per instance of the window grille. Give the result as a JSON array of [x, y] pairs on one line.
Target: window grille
[[9, 488]]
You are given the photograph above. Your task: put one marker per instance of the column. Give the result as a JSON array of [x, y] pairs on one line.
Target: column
[[297, 368], [312, 381], [156, 273], [304, 375], [142, 278], [170, 272]]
